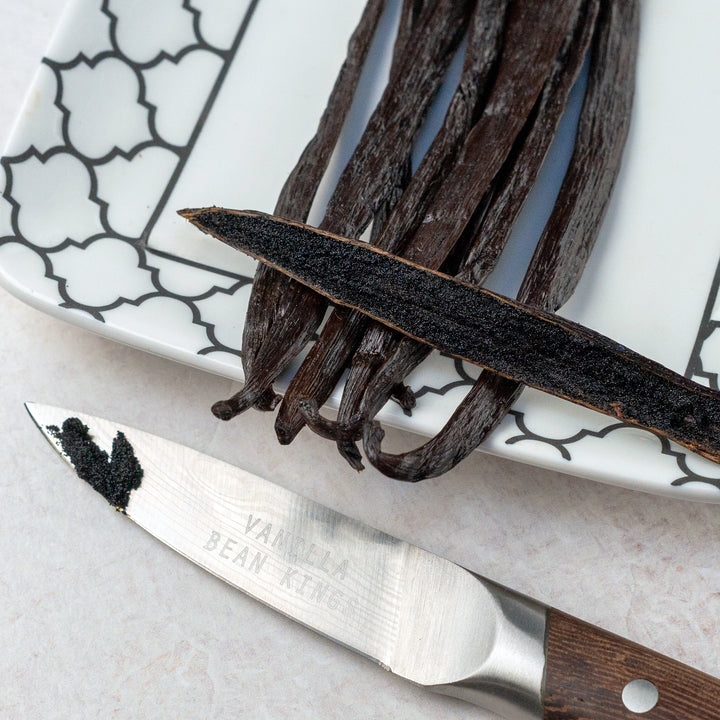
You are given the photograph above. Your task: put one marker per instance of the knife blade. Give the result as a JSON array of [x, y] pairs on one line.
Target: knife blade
[[524, 344], [416, 614]]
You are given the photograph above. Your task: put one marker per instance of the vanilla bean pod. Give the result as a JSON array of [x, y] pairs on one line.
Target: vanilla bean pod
[[519, 342], [480, 411], [491, 397], [375, 168], [294, 202], [410, 14], [321, 370], [535, 32], [573, 227], [566, 242], [378, 162], [514, 96], [521, 172]]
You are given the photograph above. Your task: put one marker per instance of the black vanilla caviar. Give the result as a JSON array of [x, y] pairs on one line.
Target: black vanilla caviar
[[113, 477]]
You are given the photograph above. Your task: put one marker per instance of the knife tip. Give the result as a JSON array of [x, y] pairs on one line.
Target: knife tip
[[30, 407]]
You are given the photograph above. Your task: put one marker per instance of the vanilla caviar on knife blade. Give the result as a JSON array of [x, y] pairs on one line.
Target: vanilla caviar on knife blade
[[113, 477]]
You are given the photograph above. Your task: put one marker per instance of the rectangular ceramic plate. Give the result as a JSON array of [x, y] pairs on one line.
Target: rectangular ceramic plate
[[142, 108]]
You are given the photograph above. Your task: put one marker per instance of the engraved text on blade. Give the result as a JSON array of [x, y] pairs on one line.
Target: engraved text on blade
[[310, 572]]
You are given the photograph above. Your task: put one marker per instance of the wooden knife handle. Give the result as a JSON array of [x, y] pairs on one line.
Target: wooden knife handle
[[588, 668]]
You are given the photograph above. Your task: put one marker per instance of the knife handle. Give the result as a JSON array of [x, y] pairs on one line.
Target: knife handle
[[588, 669]]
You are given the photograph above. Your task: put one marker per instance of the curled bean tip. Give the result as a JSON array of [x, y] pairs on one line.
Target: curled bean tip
[[222, 410]]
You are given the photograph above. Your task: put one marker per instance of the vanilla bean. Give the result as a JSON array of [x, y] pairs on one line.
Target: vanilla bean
[[535, 32], [294, 202], [410, 13], [321, 370], [514, 95], [520, 173], [521, 343], [374, 170], [559, 257], [379, 160], [485, 39], [406, 355], [490, 398], [573, 227], [479, 413]]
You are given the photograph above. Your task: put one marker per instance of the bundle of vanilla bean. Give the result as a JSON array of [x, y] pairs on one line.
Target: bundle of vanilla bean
[[454, 213]]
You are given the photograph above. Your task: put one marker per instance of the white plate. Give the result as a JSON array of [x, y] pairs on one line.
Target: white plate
[[142, 108]]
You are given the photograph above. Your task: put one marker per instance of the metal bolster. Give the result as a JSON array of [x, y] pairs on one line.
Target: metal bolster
[[510, 681]]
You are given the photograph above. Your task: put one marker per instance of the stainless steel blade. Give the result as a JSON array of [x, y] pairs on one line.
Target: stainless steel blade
[[416, 614]]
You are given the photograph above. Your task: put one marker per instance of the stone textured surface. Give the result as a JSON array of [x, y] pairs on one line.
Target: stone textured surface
[[99, 620]]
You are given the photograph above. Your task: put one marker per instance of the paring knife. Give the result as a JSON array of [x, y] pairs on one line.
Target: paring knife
[[416, 614]]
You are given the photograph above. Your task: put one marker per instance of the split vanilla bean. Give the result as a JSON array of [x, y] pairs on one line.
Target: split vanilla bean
[[521, 343]]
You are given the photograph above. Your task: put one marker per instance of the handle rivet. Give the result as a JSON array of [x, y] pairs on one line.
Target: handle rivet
[[640, 696]]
